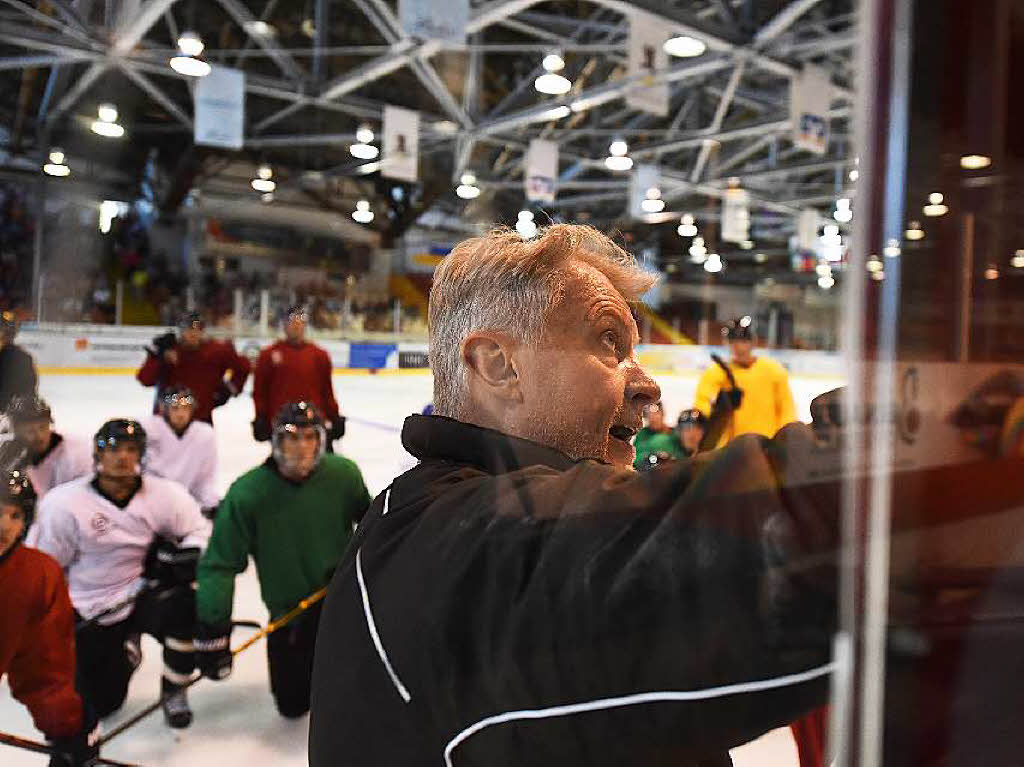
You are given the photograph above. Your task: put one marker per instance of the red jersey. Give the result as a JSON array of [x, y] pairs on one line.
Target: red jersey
[[37, 640], [288, 372], [201, 369]]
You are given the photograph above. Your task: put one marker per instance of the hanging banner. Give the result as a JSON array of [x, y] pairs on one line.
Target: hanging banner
[[807, 229], [401, 144], [220, 108], [541, 171], [736, 215], [434, 19], [644, 178], [810, 94], [647, 57]]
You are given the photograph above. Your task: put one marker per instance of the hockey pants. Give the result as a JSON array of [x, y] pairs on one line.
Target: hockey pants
[[290, 657]]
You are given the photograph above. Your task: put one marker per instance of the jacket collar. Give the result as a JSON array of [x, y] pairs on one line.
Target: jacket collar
[[440, 438], [55, 439]]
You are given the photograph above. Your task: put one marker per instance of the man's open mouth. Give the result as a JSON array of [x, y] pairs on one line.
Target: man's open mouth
[[624, 433]]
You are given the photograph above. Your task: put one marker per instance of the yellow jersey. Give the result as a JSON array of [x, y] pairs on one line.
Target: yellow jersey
[[767, 403]]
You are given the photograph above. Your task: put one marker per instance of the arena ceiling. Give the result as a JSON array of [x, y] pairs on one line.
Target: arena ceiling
[[331, 65]]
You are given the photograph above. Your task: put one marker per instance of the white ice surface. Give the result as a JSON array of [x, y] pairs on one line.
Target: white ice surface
[[235, 720]]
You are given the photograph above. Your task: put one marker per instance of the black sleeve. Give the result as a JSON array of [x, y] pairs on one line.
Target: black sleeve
[[27, 380]]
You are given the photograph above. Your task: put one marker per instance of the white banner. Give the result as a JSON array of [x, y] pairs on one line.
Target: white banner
[[541, 171], [401, 143], [434, 19], [220, 108], [644, 177], [810, 94], [647, 57], [807, 229], [736, 215]]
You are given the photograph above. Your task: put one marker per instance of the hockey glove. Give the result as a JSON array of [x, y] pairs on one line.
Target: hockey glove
[[261, 430], [222, 395], [210, 512], [79, 750], [728, 400], [175, 566], [337, 428], [163, 343], [213, 650]]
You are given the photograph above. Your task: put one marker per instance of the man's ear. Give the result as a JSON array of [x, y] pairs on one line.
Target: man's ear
[[488, 356]]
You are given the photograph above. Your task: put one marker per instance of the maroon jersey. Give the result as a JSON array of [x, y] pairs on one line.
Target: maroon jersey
[[201, 369], [37, 640], [288, 372]]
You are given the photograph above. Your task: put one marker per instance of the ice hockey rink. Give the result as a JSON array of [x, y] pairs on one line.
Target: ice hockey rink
[[235, 720]]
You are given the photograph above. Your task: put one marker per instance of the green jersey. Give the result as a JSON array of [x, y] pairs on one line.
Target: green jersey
[[296, 533], [648, 442]]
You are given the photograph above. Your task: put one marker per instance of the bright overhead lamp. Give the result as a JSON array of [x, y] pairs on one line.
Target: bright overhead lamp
[[267, 197], [854, 174], [525, 215], [364, 151], [713, 264], [823, 269], [891, 249], [992, 273], [975, 161], [1017, 262], [56, 169], [935, 207], [362, 214], [263, 185], [525, 225], [467, 188], [552, 84], [747, 245], [107, 113], [553, 62], [697, 250], [873, 264], [265, 172], [684, 46], [687, 228], [618, 163], [107, 125], [878, 276], [652, 202], [760, 258], [189, 66], [190, 43], [914, 231], [259, 28], [825, 282], [364, 135], [57, 156], [618, 148], [842, 213]]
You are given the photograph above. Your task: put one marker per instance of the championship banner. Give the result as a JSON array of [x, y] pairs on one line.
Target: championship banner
[[644, 177], [736, 215], [647, 57], [810, 94], [434, 19], [220, 108], [401, 144], [541, 171]]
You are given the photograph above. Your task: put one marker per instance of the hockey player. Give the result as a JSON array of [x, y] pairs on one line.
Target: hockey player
[[655, 439], [690, 430], [183, 449], [294, 515], [213, 370], [37, 632], [294, 370], [100, 530], [51, 458], [17, 371], [747, 395]]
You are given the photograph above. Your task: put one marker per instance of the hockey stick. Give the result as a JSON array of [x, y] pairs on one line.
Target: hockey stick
[[42, 748], [720, 418], [116, 608], [273, 626]]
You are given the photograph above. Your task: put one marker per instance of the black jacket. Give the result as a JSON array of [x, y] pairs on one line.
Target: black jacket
[[17, 375], [502, 604]]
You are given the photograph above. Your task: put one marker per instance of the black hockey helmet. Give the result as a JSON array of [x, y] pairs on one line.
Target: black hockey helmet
[[8, 324], [692, 417], [191, 321], [176, 394], [25, 409], [119, 431], [16, 490], [298, 311], [292, 417], [740, 329]]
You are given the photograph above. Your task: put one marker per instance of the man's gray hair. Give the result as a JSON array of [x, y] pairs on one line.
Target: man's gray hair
[[500, 282]]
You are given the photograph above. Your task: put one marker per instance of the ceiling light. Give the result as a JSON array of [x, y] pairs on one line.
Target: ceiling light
[[467, 189], [526, 215], [552, 84], [57, 156], [265, 172], [975, 161], [760, 258], [189, 66], [992, 273], [935, 206], [687, 227], [1018, 260], [526, 227], [652, 205], [618, 163], [826, 282], [823, 270], [107, 113], [873, 264], [190, 43], [914, 231], [713, 264], [259, 28], [747, 245], [854, 174], [891, 249], [842, 213], [267, 197], [446, 127], [56, 169], [364, 151], [553, 62], [362, 213], [697, 250], [684, 46], [364, 135], [263, 185], [469, 179], [108, 129], [618, 148], [878, 276]]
